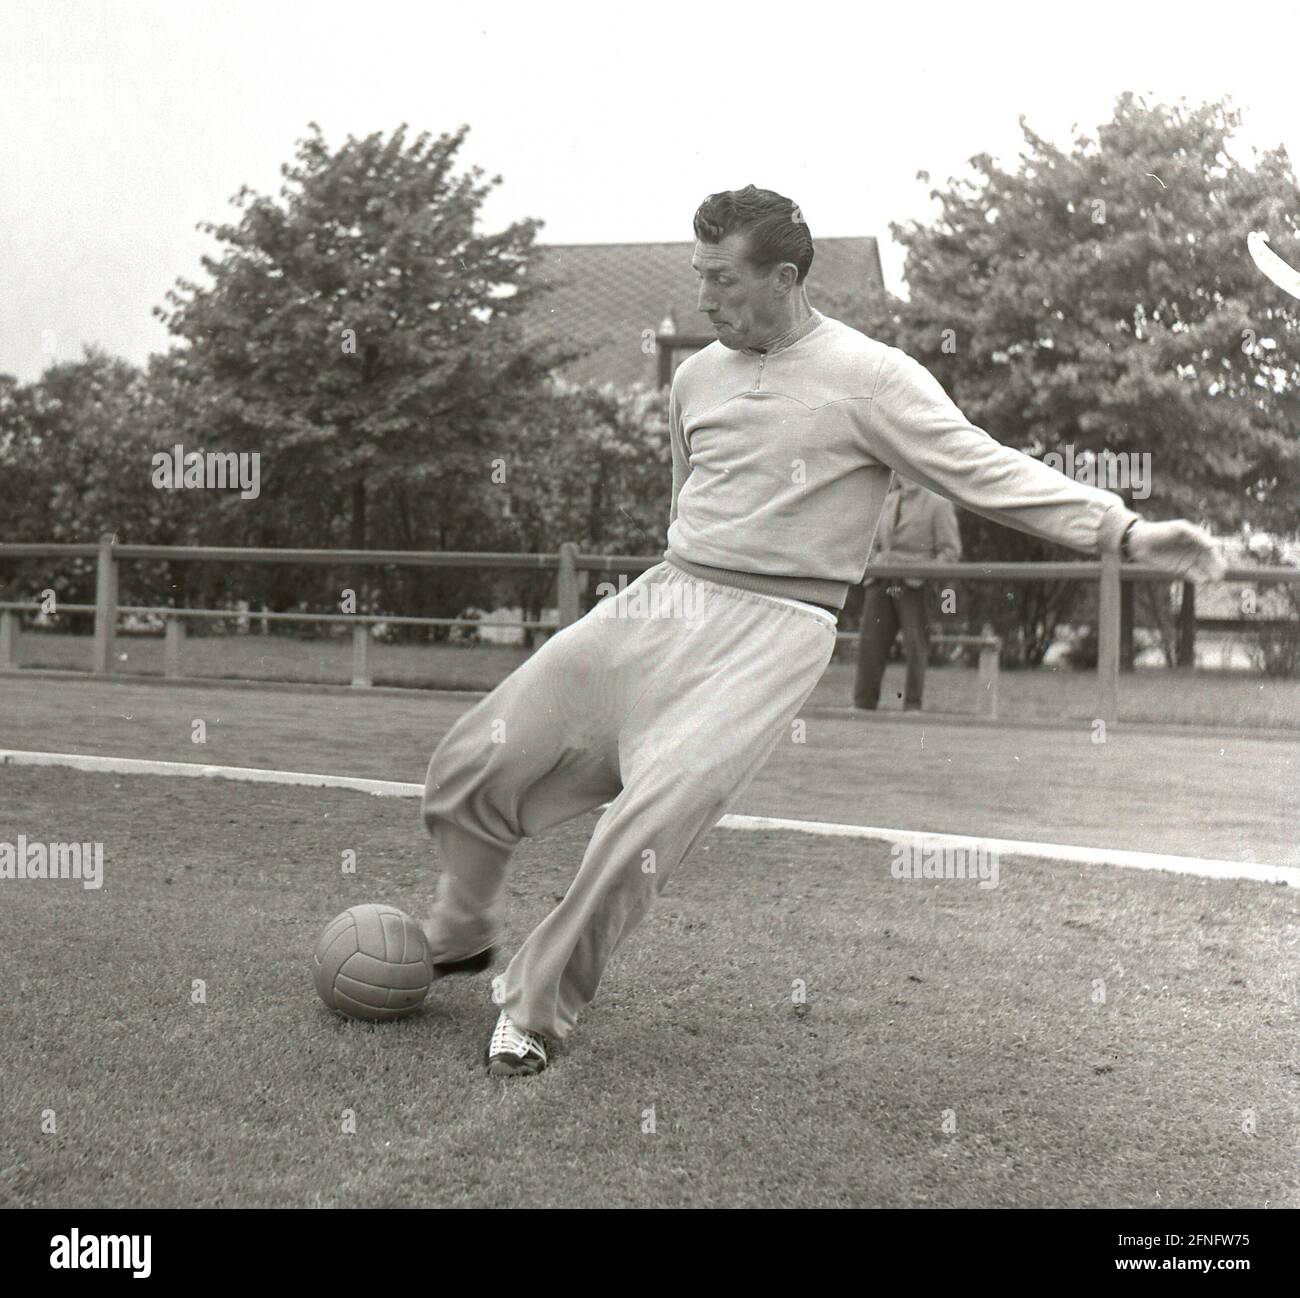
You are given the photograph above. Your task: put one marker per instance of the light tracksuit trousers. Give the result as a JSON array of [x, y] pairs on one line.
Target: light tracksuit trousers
[[664, 700]]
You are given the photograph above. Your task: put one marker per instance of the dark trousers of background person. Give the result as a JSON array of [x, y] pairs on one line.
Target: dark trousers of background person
[[886, 609]]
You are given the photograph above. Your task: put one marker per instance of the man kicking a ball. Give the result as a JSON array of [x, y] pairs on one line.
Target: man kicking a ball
[[666, 699]]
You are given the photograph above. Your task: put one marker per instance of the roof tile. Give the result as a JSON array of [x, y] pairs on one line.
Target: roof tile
[[606, 296]]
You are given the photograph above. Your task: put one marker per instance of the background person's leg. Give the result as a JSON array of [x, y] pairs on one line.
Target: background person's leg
[[879, 627], [916, 641]]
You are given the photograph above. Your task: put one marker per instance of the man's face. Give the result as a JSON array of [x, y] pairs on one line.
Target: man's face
[[742, 304]]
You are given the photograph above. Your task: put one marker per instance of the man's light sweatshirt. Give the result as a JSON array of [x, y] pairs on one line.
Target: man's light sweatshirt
[[781, 462]]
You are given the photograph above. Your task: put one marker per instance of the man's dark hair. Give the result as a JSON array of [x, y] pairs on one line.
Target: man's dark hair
[[772, 224]]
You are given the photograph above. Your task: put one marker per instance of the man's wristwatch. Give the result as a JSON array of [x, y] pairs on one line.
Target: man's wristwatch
[[1124, 552]]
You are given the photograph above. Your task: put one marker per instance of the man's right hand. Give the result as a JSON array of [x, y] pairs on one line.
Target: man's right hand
[[1180, 547]]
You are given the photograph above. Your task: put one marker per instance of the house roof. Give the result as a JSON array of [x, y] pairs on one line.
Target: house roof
[[604, 296]]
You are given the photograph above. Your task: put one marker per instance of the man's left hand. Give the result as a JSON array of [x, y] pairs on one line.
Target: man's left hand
[[1180, 547]]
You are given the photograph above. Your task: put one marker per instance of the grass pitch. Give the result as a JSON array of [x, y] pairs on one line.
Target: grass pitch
[[1071, 1038], [1231, 797], [1213, 698]]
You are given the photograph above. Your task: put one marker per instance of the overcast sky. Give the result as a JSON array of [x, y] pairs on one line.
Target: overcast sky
[[122, 125]]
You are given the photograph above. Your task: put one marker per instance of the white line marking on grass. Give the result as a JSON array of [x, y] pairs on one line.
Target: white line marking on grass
[[1060, 852], [248, 774], [1197, 865]]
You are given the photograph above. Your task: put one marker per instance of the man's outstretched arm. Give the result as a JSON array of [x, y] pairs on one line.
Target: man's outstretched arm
[[916, 428]]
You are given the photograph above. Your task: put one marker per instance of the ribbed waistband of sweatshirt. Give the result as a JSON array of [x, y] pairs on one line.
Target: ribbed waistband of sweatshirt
[[818, 612], [830, 595]]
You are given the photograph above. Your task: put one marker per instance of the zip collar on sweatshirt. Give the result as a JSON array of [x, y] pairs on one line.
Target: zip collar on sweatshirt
[[801, 330]]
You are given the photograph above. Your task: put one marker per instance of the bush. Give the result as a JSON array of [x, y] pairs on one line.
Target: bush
[[1082, 648], [1277, 651]]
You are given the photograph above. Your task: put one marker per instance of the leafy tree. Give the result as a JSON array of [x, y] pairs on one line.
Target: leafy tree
[[1104, 299], [76, 458], [20, 478], [362, 334], [21, 486], [589, 464]]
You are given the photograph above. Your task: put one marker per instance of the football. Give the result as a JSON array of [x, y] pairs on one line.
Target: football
[[372, 962]]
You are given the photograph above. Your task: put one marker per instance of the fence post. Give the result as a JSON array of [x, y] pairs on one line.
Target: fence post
[[1186, 654], [361, 655], [1108, 639], [567, 584], [105, 607], [8, 640], [988, 673], [173, 644]]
